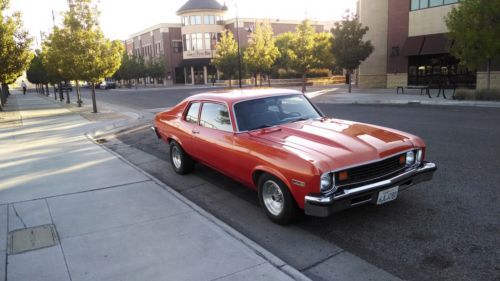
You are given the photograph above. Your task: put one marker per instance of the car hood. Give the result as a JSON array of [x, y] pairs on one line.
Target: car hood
[[342, 143]]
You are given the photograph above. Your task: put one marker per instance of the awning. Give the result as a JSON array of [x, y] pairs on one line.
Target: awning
[[412, 46], [436, 44], [194, 62]]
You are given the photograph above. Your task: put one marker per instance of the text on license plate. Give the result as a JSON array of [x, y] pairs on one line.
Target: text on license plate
[[387, 195]]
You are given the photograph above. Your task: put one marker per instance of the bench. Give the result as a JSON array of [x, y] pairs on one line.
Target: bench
[[447, 86], [421, 88]]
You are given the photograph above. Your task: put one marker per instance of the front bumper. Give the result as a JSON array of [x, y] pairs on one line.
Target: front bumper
[[324, 205], [155, 130]]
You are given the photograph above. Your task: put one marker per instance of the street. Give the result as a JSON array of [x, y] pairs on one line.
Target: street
[[446, 229]]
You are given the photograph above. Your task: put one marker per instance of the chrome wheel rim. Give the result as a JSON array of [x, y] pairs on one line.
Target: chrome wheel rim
[[273, 197], [176, 157]]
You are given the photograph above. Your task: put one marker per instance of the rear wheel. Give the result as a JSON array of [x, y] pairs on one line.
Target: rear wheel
[[181, 162], [276, 200]]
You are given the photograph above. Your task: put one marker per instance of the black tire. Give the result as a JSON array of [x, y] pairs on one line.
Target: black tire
[[289, 211], [181, 162]]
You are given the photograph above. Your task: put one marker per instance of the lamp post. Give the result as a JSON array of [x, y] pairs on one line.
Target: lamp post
[[238, 42]]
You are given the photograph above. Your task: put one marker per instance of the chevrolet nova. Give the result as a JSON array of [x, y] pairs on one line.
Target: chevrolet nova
[[282, 145]]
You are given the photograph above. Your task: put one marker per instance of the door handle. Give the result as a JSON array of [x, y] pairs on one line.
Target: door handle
[[195, 132]]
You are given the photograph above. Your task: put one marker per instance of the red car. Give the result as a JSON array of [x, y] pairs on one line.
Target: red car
[[282, 145]]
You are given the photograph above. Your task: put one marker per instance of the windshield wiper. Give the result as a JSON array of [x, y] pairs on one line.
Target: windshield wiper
[[301, 119], [263, 126]]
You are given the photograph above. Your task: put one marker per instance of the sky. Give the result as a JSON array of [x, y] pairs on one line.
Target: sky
[[121, 18]]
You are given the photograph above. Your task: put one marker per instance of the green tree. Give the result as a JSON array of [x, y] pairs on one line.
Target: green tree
[[57, 56], [156, 68], [137, 68], [92, 57], [226, 57], [475, 27], [79, 51], [15, 53], [261, 53], [304, 49], [348, 47], [37, 74]]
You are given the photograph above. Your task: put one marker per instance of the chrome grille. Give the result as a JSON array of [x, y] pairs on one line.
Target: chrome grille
[[372, 171]]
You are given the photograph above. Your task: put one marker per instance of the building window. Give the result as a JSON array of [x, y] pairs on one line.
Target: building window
[[195, 20], [208, 19], [187, 42], [199, 41], [423, 4], [177, 46], [210, 40]]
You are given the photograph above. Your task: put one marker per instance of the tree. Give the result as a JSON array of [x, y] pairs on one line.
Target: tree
[[137, 68], [304, 50], [15, 53], [57, 56], [261, 53], [37, 74], [102, 59], [474, 25], [79, 50], [226, 57], [156, 67], [348, 47]]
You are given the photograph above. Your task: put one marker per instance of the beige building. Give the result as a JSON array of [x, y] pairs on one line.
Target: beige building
[[411, 46], [189, 46]]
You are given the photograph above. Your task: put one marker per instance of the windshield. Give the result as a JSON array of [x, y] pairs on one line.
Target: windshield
[[271, 111]]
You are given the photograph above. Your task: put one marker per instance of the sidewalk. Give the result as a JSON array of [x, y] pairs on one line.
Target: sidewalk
[[338, 94], [102, 218]]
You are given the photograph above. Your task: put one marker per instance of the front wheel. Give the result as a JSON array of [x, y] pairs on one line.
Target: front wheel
[[181, 162], [276, 200]]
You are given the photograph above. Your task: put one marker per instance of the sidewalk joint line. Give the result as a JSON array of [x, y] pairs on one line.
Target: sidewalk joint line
[[7, 243], [59, 239], [236, 272], [127, 225], [18, 216], [322, 260], [77, 192]]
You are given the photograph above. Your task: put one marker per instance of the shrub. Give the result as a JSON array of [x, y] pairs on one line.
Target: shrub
[[482, 94], [464, 95], [318, 72]]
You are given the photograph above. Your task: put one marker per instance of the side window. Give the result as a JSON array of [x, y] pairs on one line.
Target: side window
[[215, 116], [192, 114]]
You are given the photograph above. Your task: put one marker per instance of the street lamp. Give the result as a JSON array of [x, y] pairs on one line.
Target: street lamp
[[238, 42]]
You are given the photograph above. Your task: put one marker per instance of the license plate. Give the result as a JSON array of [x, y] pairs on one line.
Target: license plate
[[387, 195]]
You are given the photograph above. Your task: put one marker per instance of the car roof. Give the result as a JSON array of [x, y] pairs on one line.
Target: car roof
[[236, 95]]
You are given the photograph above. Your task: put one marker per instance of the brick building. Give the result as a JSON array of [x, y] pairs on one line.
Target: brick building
[[189, 46], [411, 46]]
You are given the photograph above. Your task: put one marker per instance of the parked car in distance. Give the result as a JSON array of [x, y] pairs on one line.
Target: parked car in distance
[[67, 86], [106, 85], [280, 144]]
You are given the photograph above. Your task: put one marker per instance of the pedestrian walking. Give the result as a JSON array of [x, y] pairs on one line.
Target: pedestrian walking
[[23, 84]]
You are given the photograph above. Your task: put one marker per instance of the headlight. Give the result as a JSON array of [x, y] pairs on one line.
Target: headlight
[[327, 182], [410, 158]]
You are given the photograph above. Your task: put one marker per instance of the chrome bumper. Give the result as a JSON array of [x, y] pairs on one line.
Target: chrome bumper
[[156, 132], [323, 205]]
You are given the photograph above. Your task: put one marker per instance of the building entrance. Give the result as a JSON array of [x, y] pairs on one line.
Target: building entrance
[[439, 69]]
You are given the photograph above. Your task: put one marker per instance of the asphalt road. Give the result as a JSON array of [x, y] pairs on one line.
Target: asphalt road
[[447, 229]]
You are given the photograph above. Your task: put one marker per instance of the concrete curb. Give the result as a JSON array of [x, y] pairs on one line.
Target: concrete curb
[[328, 97], [397, 102], [265, 254]]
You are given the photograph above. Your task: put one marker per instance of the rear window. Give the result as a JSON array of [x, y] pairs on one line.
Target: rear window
[[192, 114]]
